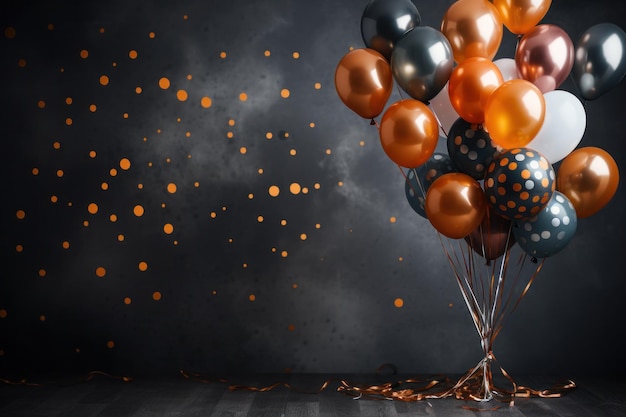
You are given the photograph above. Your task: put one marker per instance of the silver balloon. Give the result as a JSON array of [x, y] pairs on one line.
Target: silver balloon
[[384, 22], [422, 62], [600, 60]]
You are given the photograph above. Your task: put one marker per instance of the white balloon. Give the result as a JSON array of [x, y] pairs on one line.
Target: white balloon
[[441, 106], [563, 126], [508, 68]]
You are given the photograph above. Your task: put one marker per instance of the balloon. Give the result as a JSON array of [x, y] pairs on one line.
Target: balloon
[[474, 28], [421, 62], [455, 204], [409, 132], [600, 60], [441, 106], [470, 85], [518, 183], [550, 230], [589, 178], [514, 113], [563, 126], [492, 237], [508, 68], [545, 56], [364, 82], [384, 22], [418, 180], [470, 148], [519, 16]]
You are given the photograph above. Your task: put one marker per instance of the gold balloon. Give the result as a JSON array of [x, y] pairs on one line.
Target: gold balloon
[[364, 82], [455, 204], [470, 85], [409, 133], [473, 28], [519, 16], [589, 178], [514, 113]]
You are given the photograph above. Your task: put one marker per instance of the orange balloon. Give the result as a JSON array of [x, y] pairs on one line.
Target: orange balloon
[[409, 133], [514, 113], [520, 16], [589, 178], [364, 82], [473, 28], [470, 85], [455, 204]]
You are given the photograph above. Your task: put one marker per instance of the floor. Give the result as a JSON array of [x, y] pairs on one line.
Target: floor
[[296, 395]]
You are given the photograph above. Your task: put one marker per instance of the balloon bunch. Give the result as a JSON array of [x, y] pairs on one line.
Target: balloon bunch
[[505, 121]]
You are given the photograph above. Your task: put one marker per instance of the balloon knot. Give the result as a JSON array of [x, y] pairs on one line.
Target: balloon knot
[[533, 260], [372, 122]]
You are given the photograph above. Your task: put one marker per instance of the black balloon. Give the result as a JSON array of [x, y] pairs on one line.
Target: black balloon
[[384, 22], [422, 62], [600, 60]]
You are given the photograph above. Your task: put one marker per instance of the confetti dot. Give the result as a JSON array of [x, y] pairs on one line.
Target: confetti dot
[[92, 208], [295, 188], [164, 83], [138, 210], [274, 191]]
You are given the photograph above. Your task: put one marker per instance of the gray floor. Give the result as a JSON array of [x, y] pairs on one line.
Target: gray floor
[[292, 396]]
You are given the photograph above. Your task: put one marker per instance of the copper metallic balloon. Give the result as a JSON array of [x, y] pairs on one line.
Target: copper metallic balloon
[[470, 85], [545, 56], [364, 82], [455, 204], [589, 178], [473, 28], [514, 113], [520, 16], [409, 133]]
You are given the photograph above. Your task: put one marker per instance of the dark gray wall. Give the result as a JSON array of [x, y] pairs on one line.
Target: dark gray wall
[[322, 304]]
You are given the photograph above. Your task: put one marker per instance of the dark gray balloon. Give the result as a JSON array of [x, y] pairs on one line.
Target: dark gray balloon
[[384, 22], [550, 230], [422, 62], [600, 60]]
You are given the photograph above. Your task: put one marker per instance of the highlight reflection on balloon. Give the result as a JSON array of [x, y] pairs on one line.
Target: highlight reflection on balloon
[[589, 178], [364, 82]]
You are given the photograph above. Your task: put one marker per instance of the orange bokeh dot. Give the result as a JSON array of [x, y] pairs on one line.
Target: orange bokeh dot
[[285, 93], [168, 228], [127, 300], [125, 163], [84, 53], [398, 302], [132, 54], [206, 102], [104, 80], [182, 95], [138, 210], [143, 266], [3, 314], [110, 344], [156, 296], [295, 188], [243, 97], [252, 297], [274, 191], [164, 83], [20, 214], [92, 208], [171, 188], [101, 271]]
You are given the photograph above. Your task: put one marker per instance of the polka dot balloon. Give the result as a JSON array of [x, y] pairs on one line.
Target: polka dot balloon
[[470, 147], [550, 230], [418, 180], [518, 183]]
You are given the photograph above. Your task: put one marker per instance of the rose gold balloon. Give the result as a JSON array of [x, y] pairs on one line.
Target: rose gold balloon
[[473, 28], [455, 204], [545, 56], [364, 82], [519, 16], [409, 133], [589, 178], [470, 85]]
